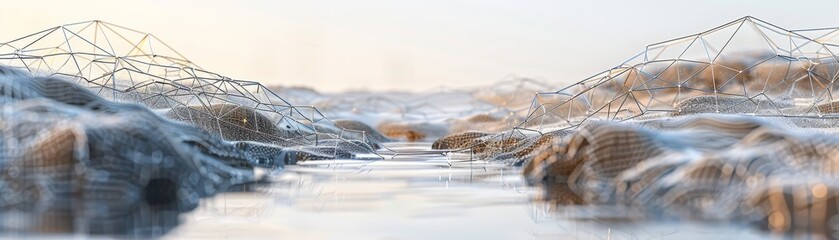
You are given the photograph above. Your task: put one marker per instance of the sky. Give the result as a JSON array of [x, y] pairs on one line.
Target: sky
[[336, 45]]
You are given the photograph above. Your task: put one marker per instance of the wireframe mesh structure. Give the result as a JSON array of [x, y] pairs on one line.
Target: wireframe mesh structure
[[125, 65], [108, 130], [432, 113], [744, 67], [737, 122], [734, 123], [68, 152]]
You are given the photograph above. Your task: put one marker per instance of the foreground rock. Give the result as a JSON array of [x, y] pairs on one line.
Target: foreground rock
[[706, 167], [63, 144]]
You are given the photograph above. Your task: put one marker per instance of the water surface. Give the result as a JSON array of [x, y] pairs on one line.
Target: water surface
[[414, 197]]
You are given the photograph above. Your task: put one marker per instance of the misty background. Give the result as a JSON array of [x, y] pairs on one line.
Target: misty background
[[334, 45]]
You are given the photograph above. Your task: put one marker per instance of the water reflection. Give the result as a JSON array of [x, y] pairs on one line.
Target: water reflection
[[412, 197], [418, 197], [92, 218]]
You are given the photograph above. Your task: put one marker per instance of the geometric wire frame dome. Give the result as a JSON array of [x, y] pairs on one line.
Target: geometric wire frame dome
[[125, 65], [746, 66]]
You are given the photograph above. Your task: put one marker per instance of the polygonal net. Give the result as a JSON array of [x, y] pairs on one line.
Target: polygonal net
[[747, 67], [433, 113], [743, 67], [125, 65], [737, 122], [99, 122]]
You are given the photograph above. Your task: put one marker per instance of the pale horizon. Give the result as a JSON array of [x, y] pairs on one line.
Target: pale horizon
[[381, 45]]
